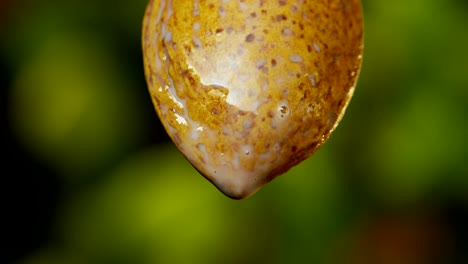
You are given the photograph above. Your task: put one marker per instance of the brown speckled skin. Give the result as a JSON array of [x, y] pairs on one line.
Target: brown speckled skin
[[249, 88]]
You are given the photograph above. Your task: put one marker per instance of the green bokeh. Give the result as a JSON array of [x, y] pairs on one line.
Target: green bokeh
[[71, 104]]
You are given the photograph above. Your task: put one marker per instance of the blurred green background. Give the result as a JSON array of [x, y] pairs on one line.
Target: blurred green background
[[90, 176]]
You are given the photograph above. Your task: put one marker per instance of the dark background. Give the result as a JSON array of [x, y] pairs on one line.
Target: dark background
[[90, 176]]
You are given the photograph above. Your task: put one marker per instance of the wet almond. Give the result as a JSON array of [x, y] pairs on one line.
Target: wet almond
[[248, 89]]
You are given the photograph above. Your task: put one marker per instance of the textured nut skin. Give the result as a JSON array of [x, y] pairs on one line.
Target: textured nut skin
[[247, 89]]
